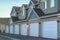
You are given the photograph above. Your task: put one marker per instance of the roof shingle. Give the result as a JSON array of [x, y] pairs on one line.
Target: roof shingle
[[39, 12]]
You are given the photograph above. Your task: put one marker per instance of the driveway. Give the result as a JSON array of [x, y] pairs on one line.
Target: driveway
[[21, 37], [3, 38]]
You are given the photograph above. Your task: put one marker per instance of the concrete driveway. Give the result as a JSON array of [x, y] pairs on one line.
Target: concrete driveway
[[21, 37], [3, 38]]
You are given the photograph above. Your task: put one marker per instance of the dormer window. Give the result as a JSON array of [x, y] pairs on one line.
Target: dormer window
[[45, 4], [52, 3]]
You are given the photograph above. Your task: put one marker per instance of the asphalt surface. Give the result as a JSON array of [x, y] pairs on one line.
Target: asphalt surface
[[3, 38], [21, 37]]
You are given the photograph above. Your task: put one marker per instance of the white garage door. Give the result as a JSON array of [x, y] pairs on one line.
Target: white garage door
[[16, 28], [7, 29], [49, 29], [23, 29], [11, 29], [34, 29]]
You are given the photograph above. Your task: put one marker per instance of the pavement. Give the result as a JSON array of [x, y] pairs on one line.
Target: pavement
[[20, 37], [4, 38]]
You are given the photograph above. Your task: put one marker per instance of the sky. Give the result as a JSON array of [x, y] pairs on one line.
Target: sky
[[6, 6]]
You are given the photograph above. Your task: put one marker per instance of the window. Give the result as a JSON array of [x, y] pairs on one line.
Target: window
[[44, 4], [52, 3]]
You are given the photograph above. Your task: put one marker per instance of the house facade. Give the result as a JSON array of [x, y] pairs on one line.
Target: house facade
[[41, 18], [3, 22]]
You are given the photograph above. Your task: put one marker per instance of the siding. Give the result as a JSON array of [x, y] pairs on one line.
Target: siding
[[59, 29], [32, 15], [2, 27]]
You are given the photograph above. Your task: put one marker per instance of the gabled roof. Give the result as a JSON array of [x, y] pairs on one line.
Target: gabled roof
[[16, 8], [39, 12], [34, 1], [19, 9], [25, 5]]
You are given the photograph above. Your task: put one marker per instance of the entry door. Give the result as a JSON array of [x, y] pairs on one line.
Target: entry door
[[16, 28], [34, 29], [11, 29], [7, 29], [23, 29], [49, 29]]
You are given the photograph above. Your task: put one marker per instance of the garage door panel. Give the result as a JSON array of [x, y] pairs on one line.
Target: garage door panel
[[16, 28], [49, 29], [34, 29], [7, 29], [11, 29], [23, 29]]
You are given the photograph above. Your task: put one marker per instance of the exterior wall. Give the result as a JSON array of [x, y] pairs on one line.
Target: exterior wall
[[40, 28], [58, 4], [59, 28], [19, 29], [10, 21], [2, 27], [22, 14], [49, 9], [13, 12]]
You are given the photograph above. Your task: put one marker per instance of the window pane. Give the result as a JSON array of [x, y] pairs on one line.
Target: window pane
[[45, 4], [52, 3]]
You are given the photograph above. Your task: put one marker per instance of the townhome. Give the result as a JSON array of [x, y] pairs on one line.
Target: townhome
[[41, 18], [18, 15], [13, 28], [50, 19], [52, 10], [3, 22]]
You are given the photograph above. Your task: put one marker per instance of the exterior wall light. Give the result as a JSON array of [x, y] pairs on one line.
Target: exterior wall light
[[27, 26], [58, 15]]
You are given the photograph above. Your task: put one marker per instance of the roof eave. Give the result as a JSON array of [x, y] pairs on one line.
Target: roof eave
[[49, 16], [55, 15]]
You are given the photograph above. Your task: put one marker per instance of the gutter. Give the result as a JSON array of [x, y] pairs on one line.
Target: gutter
[[54, 15], [49, 16]]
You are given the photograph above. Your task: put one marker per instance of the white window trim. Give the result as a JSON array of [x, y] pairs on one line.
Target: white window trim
[[45, 4]]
